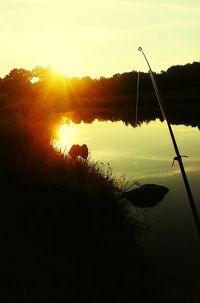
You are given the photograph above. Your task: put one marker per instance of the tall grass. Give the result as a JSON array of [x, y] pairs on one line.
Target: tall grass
[[64, 233]]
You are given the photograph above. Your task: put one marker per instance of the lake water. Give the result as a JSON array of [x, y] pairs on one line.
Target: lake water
[[145, 154]]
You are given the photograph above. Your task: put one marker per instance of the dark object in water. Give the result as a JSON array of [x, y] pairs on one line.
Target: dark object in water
[[78, 151], [147, 195]]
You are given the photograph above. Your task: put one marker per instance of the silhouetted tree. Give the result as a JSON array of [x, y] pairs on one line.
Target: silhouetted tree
[[17, 82]]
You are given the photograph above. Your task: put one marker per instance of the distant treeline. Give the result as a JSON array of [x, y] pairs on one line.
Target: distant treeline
[[114, 98], [21, 82]]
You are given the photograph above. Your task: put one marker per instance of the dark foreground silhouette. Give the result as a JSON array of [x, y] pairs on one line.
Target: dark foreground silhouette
[[65, 236], [147, 195]]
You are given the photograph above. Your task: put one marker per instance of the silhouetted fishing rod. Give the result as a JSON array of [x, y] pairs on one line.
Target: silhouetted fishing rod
[[178, 156]]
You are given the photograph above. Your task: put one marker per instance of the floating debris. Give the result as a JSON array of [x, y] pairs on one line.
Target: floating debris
[[147, 195]]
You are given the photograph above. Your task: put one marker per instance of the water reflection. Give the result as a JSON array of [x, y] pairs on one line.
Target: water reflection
[[64, 136], [145, 154], [138, 152], [124, 110]]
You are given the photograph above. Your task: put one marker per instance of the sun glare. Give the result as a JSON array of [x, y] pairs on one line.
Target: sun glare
[[59, 70], [64, 137]]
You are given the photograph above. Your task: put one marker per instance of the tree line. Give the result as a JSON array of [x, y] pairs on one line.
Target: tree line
[[21, 82]]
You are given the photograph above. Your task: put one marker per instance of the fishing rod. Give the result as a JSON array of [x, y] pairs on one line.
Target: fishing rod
[[178, 156]]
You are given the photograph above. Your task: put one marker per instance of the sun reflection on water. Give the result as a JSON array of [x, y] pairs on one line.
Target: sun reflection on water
[[64, 136]]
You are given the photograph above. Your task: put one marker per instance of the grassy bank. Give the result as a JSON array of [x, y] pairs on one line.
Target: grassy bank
[[65, 235]]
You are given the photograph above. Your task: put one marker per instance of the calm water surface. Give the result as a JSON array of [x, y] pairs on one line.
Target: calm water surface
[[145, 154]]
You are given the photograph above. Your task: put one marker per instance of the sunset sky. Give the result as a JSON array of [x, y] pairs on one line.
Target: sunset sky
[[98, 38]]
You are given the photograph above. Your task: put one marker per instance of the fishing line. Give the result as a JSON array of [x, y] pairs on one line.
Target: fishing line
[[178, 157], [137, 98]]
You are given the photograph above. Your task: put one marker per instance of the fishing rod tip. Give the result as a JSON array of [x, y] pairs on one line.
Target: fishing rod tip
[[140, 49]]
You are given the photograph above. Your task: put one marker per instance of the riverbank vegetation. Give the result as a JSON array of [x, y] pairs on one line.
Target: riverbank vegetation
[[65, 234]]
